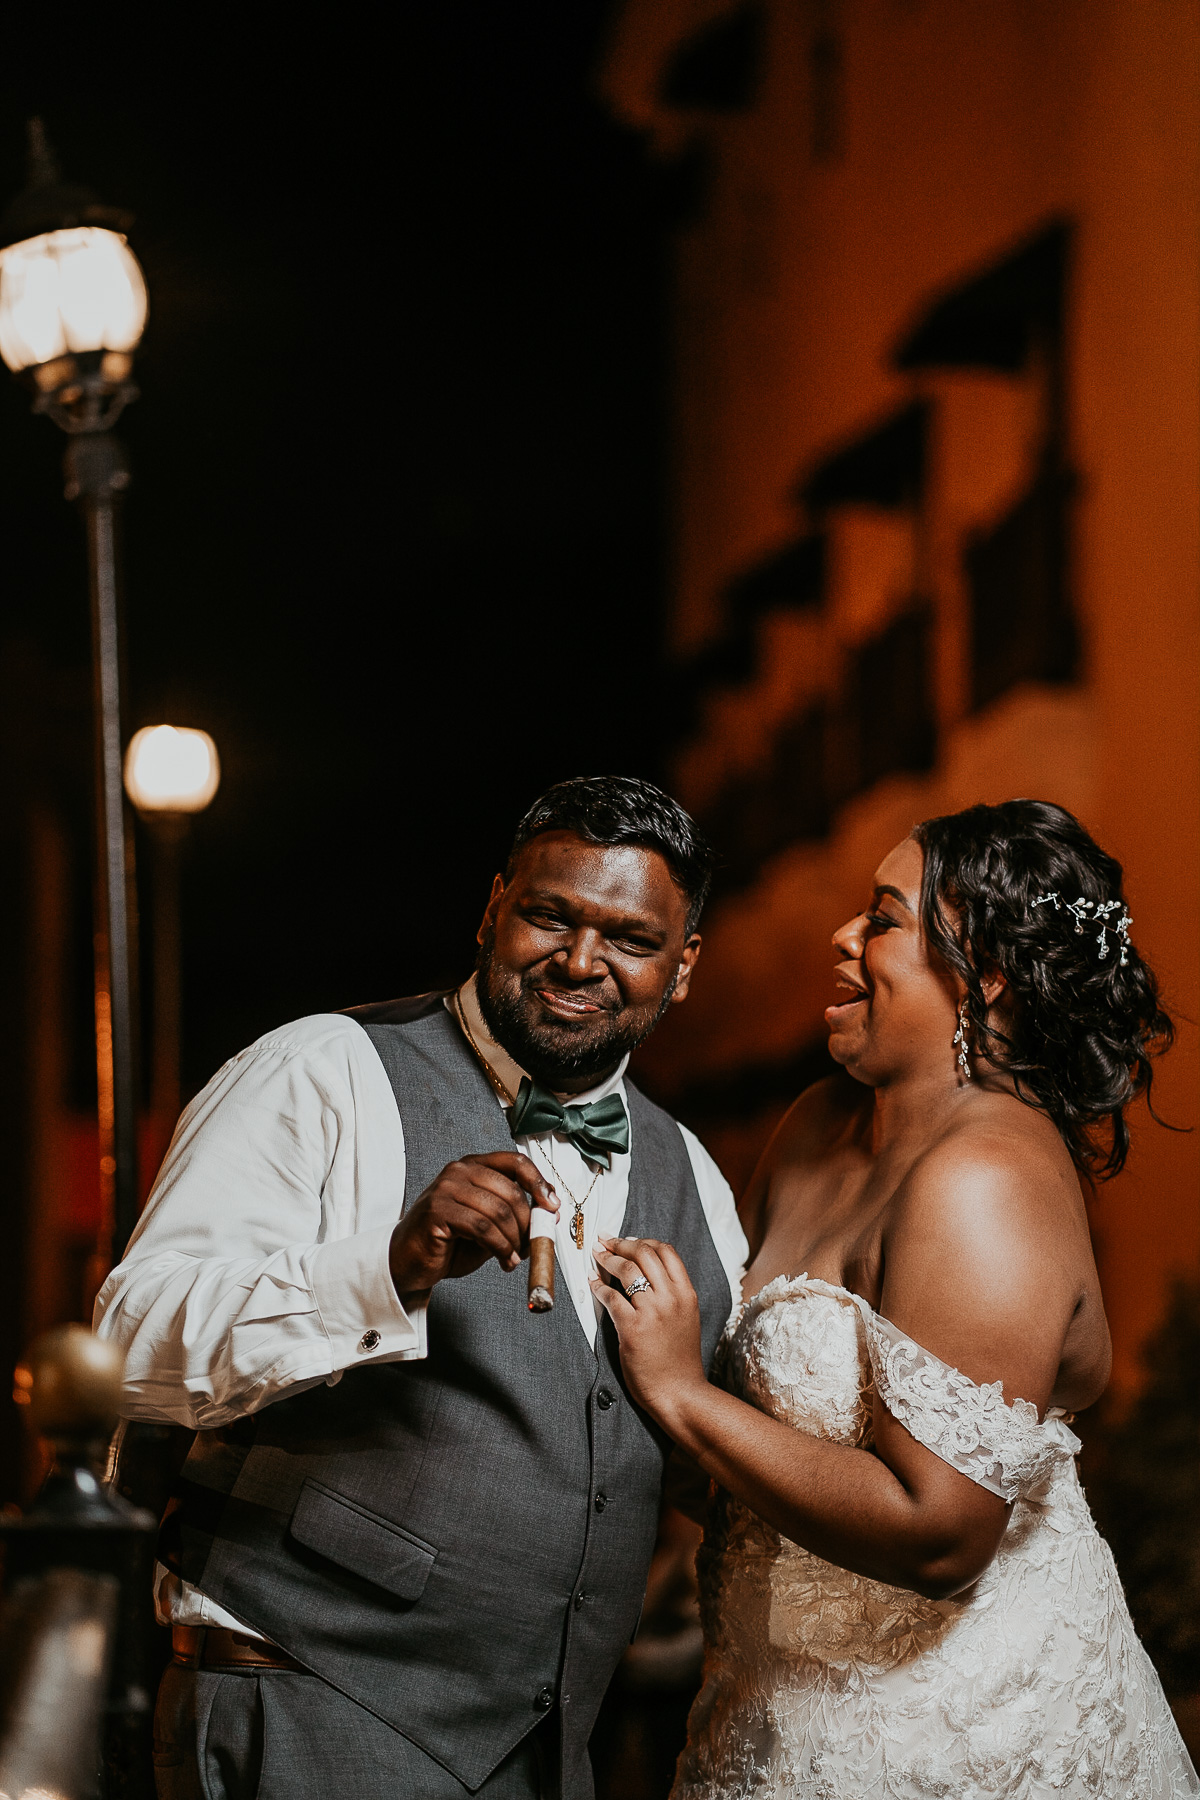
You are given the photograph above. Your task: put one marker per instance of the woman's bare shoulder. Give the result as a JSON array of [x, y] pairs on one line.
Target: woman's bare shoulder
[[815, 1121], [1003, 1148], [986, 1250], [822, 1115], [1004, 1171]]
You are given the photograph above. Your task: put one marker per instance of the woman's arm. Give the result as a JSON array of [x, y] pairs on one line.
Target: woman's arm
[[972, 1278]]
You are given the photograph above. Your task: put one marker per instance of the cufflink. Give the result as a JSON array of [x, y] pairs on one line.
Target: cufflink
[[370, 1340]]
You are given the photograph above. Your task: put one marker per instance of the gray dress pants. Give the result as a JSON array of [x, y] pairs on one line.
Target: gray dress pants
[[282, 1736]]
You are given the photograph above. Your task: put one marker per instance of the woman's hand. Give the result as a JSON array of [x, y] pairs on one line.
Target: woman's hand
[[659, 1327]]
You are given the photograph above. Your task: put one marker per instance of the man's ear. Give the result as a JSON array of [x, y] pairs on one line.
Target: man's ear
[[687, 963], [489, 915]]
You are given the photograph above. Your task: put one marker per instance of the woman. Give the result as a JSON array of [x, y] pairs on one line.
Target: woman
[[904, 1593]]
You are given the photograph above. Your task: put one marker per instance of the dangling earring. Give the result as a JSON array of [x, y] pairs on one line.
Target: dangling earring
[[960, 1038]]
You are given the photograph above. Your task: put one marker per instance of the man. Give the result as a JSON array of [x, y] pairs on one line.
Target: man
[[410, 1541]]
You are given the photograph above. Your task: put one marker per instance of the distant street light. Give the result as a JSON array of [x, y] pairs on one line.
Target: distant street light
[[72, 310], [170, 773], [171, 769]]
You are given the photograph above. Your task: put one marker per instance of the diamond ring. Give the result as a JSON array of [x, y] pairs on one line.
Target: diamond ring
[[640, 1286]]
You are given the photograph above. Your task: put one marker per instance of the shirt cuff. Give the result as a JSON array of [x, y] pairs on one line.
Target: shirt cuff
[[363, 1317]]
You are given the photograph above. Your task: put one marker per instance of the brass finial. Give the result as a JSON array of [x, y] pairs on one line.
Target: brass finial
[[71, 1382]]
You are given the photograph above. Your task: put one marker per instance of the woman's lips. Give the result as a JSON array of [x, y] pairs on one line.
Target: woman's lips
[[841, 1009]]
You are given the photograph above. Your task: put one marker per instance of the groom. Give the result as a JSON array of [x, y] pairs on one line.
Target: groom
[[410, 1542]]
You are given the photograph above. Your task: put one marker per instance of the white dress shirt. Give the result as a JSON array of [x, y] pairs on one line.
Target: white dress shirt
[[259, 1267], [604, 1192]]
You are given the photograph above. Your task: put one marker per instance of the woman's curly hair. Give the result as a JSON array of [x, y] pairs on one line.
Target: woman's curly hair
[[1079, 1033]]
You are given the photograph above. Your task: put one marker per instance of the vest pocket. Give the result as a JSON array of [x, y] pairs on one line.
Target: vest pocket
[[361, 1541]]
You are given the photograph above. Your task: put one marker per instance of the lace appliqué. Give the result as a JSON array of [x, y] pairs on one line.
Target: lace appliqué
[[820, 1684], [1004, 1448]]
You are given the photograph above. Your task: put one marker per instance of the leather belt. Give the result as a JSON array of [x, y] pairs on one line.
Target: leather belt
[[216, 1647]]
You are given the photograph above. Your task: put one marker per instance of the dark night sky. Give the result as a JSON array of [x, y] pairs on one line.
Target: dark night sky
[[396, 531]]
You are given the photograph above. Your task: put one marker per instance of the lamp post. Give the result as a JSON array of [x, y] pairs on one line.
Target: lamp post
[[170, 774], [72, 311]]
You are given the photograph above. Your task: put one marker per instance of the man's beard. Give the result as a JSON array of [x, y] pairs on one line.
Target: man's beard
[[554, 1053]]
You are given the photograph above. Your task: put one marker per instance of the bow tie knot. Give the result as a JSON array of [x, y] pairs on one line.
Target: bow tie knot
[[596, 1130]]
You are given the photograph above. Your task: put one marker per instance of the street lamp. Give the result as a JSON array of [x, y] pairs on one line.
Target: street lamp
[[171, 770], [72, 310], [170, 774]]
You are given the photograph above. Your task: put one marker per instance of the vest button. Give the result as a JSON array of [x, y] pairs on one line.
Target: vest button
[[544, 1699], [370, 1340], [604, 1399], [579, 1600], [600, 1502]]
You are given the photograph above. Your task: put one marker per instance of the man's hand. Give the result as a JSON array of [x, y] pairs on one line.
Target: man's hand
[[478, 1207]]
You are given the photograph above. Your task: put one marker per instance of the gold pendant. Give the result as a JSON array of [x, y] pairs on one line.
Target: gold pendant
[[577, 1226]]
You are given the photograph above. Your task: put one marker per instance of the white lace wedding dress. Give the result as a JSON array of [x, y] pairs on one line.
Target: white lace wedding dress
[[825, 1685]]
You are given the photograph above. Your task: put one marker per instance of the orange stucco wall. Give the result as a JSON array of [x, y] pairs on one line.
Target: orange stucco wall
[[962, 126]]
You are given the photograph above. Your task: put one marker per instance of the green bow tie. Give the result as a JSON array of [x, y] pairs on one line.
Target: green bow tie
[[596, 1130]]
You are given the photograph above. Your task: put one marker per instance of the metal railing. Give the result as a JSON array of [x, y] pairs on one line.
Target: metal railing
[[75, 1705], [57, 1634]]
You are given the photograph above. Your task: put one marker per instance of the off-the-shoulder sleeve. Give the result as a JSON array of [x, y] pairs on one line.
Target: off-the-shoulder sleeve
[[1004, 1448]]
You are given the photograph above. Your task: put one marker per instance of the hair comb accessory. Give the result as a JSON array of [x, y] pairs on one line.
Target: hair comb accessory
[[1087, 913]]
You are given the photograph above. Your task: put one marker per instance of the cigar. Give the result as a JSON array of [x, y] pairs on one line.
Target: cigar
[[541, 1260]]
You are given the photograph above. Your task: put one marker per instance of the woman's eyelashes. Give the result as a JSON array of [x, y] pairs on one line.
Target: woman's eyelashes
[[880, 921]]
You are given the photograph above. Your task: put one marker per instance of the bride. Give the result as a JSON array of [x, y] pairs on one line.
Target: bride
[[904, 1593]]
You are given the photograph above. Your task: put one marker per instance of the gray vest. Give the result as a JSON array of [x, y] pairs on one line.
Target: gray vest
[[460, 1542]]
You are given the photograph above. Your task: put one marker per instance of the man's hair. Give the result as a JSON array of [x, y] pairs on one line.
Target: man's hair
[[621, 809]]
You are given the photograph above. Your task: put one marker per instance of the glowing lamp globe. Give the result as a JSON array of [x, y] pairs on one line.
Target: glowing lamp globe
[[70, 293], [171, 769]]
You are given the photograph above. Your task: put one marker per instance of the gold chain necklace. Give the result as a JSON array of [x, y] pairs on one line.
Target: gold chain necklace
[[507, 1099], [480, 1058], [577, 1215]]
